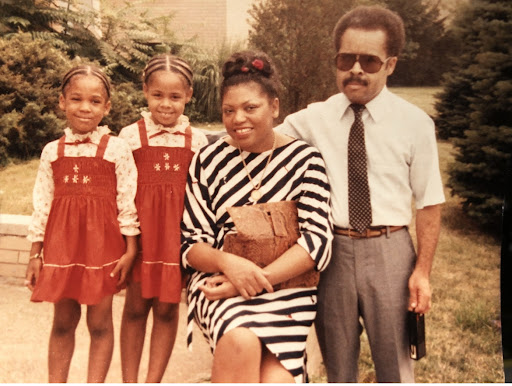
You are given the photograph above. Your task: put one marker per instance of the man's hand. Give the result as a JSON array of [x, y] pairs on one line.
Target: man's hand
[[420, 293]]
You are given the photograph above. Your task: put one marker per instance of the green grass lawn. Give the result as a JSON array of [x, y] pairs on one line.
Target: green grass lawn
[[463, 328]]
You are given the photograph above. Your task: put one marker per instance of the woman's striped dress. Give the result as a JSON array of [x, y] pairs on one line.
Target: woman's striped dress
[[217, 180]]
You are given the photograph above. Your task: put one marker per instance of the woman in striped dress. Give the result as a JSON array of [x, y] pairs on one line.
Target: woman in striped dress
[[256, 331]]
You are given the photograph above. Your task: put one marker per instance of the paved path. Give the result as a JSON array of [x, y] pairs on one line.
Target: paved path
[[25, 330]]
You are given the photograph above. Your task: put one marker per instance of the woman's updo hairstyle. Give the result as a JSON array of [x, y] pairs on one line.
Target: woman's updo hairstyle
[[250, 66]]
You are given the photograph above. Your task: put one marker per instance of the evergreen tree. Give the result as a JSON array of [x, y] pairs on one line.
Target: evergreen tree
[[423, 60], [475, 108], [297, 35]]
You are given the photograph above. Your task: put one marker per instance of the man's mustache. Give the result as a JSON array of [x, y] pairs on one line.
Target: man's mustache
[[355, 79]]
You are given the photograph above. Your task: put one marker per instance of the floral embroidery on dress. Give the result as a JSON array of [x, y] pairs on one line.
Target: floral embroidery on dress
[[126, 172]]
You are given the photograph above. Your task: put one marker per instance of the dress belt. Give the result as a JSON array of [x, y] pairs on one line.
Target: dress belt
[[369, 232]]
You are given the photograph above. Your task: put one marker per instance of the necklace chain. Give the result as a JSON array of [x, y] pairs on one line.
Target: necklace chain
[[255, 195]]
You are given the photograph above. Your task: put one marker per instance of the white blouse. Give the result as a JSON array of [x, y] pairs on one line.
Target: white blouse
[[131, 134], [117, 151]]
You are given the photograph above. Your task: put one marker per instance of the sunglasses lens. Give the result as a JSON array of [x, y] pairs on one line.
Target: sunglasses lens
[[369, 63], [345, 62]]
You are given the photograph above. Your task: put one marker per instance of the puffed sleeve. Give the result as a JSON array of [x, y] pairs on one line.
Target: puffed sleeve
[[199, 139], [42, 195], [199, 222], [314, 211]]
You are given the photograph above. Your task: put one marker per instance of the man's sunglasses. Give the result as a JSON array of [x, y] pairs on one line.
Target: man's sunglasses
[[369, 63]]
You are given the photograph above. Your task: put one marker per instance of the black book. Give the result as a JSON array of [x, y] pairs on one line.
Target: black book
[[416, 324]]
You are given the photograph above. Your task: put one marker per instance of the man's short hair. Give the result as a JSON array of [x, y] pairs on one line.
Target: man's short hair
[[373, 18]]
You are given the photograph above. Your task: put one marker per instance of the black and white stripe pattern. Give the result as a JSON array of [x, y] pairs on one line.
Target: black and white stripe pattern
[[218, 180]]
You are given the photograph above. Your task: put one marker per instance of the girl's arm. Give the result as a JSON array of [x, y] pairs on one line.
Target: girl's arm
[[126, 176], [42, 200], [35, 263], [42, 195]]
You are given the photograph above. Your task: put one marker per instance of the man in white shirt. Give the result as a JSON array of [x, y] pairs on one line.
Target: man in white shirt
[[375, 275]]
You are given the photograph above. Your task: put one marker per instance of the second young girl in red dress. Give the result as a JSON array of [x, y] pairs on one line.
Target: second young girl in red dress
[[163, 143]]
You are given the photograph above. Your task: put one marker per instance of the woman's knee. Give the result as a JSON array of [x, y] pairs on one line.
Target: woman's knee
[[240, 342]]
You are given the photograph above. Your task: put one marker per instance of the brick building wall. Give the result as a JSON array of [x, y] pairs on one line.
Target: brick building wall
[[14, 247], [204, 19], [211, 22]]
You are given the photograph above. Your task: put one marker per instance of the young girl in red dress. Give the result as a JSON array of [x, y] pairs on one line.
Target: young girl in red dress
[[163, 143], [84, 225]]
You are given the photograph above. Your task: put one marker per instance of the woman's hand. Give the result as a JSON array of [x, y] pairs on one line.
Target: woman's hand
[[218, 287], [247, 278]]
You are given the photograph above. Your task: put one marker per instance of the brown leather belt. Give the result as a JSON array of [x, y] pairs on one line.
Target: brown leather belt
[[369, 232]]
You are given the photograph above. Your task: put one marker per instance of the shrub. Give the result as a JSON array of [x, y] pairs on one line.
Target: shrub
[[127, 103], [30, 73]]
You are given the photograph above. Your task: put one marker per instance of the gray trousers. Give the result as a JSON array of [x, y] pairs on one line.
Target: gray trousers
[[366, 278]]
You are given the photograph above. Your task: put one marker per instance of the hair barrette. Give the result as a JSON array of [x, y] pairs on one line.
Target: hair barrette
[[258, 64]]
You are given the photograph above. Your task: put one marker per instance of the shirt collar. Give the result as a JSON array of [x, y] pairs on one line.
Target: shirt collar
[[94, 135], [153, 128], [377, 107]]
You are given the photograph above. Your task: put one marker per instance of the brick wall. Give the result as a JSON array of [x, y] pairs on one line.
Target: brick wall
[[14, 247], [205, 19]]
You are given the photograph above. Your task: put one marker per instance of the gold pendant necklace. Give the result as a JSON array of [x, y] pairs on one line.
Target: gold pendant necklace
[[255, 193]]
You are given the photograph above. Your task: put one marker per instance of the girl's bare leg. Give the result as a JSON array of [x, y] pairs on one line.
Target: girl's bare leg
[[165, 326], [62, 339], [101, 330], [237, 358], [133, 331]]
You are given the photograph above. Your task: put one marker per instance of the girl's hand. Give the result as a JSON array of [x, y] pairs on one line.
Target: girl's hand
[[33, 269], [247, 278], [218, 287], [122, 268], [125, 263]]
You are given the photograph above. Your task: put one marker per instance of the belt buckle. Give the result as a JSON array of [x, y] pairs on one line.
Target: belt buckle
[[358, 235], [355, 234]]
